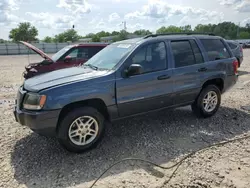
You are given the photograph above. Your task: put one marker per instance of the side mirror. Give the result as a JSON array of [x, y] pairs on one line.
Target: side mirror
[[67, 59], [134, 69]]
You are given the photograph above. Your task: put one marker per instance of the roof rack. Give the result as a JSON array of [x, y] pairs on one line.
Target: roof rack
[[185, 33]]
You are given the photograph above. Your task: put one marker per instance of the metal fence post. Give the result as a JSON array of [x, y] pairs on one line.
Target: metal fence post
[[43, 47], [6, 48], [19, 51]]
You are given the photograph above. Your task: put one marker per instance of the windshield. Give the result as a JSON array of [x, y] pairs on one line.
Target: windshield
[[110, 56], [57, 55]]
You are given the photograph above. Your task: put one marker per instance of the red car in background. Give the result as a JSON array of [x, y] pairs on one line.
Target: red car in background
[[69, 56]]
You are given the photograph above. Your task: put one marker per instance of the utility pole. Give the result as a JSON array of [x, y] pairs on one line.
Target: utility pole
[[238, 30], [124, 25]]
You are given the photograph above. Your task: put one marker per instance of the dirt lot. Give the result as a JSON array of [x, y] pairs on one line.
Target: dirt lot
[[28, 160]]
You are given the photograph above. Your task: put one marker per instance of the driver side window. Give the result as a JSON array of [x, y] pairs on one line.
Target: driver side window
[[74, 53], [151, 57]]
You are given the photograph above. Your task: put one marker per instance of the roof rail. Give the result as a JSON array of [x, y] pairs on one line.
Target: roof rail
[[184, 33]]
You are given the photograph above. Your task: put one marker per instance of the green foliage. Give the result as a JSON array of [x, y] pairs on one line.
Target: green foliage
[[48, 39], [68, 35], [142, 32], [227, 30], [174, 29], [95, 38], [24, 32], [244, 35], [2, 40]]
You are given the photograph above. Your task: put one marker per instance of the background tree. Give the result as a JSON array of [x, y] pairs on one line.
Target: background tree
[[95, 38], [174, 29], [142, 32], [244, 35], [24, 32], [66, 36], [123, 35], [48, 39], [228, 30]]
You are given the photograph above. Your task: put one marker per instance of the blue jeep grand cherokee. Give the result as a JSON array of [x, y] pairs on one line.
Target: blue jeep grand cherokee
[[124, 79]]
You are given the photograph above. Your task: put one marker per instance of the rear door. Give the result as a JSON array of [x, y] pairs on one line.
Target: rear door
[[188, 70], [149, 90], [218, 56]]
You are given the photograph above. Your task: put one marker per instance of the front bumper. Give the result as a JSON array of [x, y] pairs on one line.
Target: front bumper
[[42, 122]]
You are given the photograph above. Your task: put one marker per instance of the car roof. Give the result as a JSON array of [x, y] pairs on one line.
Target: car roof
[[167, 37], [91, 44]]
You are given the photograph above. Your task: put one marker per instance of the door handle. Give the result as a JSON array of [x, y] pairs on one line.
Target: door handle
[[163, 77], [203, 69]]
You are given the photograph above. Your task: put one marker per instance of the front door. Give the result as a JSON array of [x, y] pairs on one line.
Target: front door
[[152, 88], [73, 57], [78, 56]]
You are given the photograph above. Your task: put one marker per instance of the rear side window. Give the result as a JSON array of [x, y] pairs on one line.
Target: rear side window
[[94, 50], [183, 54], [232, 45], [73, 53], [197, 52], [215, 49], [86, 52]]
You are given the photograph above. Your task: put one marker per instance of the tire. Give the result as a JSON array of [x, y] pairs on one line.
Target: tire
[[198, 107], [69, 124]]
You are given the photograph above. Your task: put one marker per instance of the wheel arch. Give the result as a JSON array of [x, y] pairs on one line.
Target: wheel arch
[[96, 103], [219, 82]]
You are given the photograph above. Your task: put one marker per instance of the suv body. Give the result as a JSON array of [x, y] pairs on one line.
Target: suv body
[[237, 50], [127, 78], [69, 56]]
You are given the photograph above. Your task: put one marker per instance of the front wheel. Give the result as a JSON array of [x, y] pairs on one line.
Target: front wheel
[[81, 129], [208, 102]]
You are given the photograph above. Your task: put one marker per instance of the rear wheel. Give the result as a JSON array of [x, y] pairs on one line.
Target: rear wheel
[[207, 102], [81, 129]]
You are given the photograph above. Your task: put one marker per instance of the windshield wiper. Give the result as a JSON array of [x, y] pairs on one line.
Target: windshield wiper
[[91, 66]]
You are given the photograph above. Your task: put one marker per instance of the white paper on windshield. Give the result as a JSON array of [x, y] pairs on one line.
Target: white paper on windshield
[[124, 45]]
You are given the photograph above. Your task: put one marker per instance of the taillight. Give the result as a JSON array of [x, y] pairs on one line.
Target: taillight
[[235, 66]]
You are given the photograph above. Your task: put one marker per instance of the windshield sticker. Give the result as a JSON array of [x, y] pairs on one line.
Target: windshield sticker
[[124, 45]]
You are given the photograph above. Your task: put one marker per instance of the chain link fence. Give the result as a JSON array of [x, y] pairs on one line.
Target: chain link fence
[[18, 49]]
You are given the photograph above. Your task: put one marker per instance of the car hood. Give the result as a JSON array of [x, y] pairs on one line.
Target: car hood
[[38, 51], [60, 77]]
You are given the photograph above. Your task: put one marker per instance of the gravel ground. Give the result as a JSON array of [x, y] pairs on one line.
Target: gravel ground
[[29, 160]]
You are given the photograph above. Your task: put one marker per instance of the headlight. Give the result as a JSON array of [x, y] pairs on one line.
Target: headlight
[[33, 101]]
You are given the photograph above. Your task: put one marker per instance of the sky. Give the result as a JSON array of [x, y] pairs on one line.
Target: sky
[[51, 17]]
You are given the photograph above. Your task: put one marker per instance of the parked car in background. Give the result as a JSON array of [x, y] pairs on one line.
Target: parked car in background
[[247, 45], [124, 79], [237, 50], [69, 56]]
